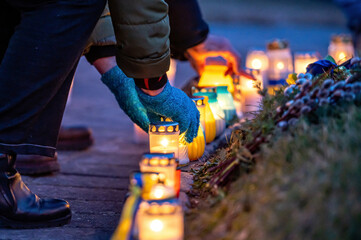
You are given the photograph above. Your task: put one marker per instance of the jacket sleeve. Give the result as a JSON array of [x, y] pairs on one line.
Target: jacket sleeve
[[188, 28], [142, 32]]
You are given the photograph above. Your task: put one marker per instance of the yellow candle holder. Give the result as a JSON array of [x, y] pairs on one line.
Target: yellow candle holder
[[217, 111], [341, 48], [201, 106], [213, 76], [164, 138], [160, 220], [163, 164]]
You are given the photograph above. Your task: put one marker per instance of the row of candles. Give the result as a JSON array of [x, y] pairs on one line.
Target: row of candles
[[219, 99]]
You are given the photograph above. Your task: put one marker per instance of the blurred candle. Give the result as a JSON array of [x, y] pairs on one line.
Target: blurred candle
[[226, 102], [303, 59], [200, 103], [250, 98], [160, 220], [341, 48], [163, 164], [279, 63], [213, 75], [164, 138], [257, 59]]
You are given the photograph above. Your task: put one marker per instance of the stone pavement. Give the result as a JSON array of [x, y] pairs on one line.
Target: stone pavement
[[95, 181]]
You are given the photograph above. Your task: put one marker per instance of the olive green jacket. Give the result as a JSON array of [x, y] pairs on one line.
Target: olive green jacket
[[142, 32]]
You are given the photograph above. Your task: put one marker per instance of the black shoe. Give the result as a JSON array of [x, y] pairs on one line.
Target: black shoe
[[35, 165], [74, 138], [20, 208]]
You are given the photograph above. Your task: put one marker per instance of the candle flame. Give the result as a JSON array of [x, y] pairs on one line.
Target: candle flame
[[156, 225], [158, 193], [280, 65], [256, 64], [249, 83], [341, 56], [164, 142]]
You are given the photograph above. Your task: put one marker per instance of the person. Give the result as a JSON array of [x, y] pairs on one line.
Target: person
[[41, 42], [189, 41], [352, 9]]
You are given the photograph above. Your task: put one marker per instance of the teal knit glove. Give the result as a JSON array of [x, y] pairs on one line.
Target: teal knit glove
[[124, 91], [175, 104]]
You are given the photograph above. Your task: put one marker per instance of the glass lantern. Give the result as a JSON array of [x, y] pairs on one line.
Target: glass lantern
[[279, 63], [303, 59], [257, 59], [217, 111], [341, 48], [160, 220], [213, 76], [250, 98], [164, 164], [164, 138], [226, 102]]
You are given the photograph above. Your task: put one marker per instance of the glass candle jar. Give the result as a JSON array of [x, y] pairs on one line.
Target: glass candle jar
[[160, 220], [217, 111], [257, 59], [213, 76], [250, 98], [303, 59], [164, 138], [226, 102], [163, 164], [279, 63], [341, 48]]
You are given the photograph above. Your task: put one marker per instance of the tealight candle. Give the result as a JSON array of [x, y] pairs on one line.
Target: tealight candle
[[341, 48], [226, 102], [303, 59], [164, 138], [217, 111], [280, 63], [160, 220], [213, 76], [161, 192], [163, 164], [250, 98]]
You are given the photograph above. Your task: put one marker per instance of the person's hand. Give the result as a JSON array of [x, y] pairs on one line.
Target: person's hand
[[124, 91], [175, 104], [214, 46]]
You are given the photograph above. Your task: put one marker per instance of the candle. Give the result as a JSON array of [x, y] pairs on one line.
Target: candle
[[341, 48], [280, 63], [250, 98], [303, 59], [257, 59], [213, 76], [217, 111], [139, 135], [226, 102], [161, 192], [163, 164], [164, 138], [160, 220]]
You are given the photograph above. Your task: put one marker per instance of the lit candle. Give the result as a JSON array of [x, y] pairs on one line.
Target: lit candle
[[217, 111], [341, 48], [250, 98], [226, 102], [303, 59], [213, 76], [279, 63], [163, 164], [200, 103], [164, 138], [139, 135], [160, 220], [161, 192], [257, 59]]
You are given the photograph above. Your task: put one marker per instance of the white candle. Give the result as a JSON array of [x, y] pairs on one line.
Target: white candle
[[302, 60]]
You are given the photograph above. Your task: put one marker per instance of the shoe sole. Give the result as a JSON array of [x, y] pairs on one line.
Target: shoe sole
[[8, 223]]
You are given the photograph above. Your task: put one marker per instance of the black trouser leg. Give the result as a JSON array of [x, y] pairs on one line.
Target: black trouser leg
[[36, 72]]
